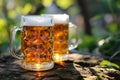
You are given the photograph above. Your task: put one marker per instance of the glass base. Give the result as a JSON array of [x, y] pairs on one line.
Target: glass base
[[38, 67], [58, 57]]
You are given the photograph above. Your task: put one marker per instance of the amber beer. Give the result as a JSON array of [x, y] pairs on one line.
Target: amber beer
[[60, 36], [60, 42], [36, 43]]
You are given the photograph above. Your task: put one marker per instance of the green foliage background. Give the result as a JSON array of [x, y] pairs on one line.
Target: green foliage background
[[11, 11]]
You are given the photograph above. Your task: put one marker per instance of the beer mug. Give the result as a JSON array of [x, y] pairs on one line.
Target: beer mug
[[62, 41], [36, 43]]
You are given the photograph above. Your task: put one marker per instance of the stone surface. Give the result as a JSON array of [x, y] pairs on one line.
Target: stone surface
[[79, 67]]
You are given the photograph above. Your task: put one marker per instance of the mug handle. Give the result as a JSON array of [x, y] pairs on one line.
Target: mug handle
[[73, 43], [12, 39]]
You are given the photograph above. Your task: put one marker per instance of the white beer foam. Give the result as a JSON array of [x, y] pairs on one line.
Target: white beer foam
[[36, 21], [59, 18]]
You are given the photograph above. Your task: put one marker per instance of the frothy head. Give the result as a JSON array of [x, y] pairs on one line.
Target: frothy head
[[36, 21], [59, 18]]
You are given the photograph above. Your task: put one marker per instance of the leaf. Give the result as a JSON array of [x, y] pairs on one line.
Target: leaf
[[64, 3], [115, 54], [113, 27], [98, 16], [27, 8], [47, 2], [108, 63]]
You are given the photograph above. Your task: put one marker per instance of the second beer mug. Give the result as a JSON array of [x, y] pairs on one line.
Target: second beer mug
[[62, 41], [36, 43]]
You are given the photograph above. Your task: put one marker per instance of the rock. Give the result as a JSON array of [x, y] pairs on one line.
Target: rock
[[79, 67]]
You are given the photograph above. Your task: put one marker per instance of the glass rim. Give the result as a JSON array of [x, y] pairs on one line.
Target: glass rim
[[59, 18], [36, 20]]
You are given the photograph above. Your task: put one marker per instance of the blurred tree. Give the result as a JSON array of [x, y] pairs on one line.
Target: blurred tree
[[85, 13]]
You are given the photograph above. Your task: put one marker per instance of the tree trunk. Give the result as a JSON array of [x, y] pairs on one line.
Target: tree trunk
[[85, 13]]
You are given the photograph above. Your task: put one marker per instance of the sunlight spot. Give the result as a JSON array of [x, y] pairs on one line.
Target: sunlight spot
[[101, 42], [2, 23], [27, 8], [47, 3], [64, 3], [12, 14], [61, 63], [75, 56], [3, 32], [39, 74]]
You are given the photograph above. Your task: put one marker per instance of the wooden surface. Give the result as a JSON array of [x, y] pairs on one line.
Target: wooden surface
[[79, 67]]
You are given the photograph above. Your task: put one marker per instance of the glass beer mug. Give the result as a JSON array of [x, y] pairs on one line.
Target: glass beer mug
[[62, 41], [36, 43]]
